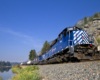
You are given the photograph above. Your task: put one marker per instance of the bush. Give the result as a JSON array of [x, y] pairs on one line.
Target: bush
[[15, 69], [98, 40], [26, 75], [29, 73], [16, 66], [31, 68]]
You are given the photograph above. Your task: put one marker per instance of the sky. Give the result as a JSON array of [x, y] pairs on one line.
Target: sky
[[27, 24]]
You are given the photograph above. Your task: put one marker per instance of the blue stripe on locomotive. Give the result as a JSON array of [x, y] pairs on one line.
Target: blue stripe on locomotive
[[76, 37]]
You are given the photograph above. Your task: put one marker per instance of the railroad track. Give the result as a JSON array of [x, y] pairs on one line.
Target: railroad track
[[75, 60], [79, 61]]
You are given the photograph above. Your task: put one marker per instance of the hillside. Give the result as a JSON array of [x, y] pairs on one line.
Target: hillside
[[90, 24]]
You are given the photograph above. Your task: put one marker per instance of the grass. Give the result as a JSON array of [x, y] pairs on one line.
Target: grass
[[0, 78], [28, 73]]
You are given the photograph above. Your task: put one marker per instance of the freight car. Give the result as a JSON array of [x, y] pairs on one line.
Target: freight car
[[72, 42]]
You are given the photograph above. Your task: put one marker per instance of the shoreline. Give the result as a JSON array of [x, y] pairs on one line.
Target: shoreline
[[4, 66]]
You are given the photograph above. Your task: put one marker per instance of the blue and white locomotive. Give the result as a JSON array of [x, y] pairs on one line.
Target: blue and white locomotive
[[71, 42]]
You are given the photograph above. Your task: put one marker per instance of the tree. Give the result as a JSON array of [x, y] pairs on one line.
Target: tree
[[45, 47], [85, 20], [32, 54], [96, 15], [8, 63], [91, 19]]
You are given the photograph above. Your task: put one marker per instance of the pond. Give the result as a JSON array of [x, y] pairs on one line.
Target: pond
[[6, 73]]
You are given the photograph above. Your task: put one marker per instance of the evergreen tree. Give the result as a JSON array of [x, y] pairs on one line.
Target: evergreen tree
[[85, 20], [91, 19], [8, 64], [32, 54], [45, 47], [96, 15]]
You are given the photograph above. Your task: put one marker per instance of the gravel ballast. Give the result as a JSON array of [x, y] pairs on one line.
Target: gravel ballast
[[71, 71]]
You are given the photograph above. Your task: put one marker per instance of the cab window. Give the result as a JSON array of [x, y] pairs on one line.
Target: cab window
[[64, 34]]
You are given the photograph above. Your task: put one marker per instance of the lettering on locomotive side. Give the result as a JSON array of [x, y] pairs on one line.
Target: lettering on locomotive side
[[53, 49]]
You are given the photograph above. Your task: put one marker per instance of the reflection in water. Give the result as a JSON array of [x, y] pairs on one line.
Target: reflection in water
[[2, 69], [6, 73]]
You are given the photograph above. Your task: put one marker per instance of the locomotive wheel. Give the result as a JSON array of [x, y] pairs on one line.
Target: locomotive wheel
[[93, 54], [99, 54], [60, 58], [65, 57], [45, 62], [79, 55]]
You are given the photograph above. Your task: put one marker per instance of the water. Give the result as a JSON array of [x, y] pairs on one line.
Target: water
[[6, 73]]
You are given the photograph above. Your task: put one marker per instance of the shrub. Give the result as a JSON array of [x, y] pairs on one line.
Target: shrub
[[29, 73], [98, 40], [16, 66], [31, 68], [15, 69], [27, 76]]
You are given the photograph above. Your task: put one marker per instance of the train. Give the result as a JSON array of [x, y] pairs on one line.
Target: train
[[71, 43]]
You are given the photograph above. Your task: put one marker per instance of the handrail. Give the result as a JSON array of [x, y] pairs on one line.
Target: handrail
[[96, 41]]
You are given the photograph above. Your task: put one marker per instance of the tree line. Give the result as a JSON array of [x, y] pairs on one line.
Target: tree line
[[33, 54], [3, 63]]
